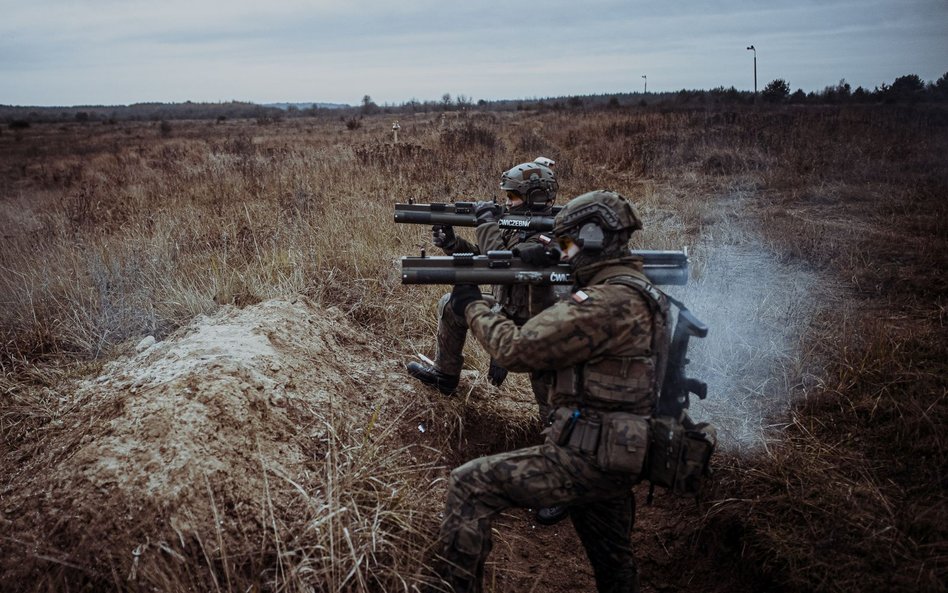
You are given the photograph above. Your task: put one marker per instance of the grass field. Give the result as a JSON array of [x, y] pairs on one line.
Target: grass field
[[819, 240]]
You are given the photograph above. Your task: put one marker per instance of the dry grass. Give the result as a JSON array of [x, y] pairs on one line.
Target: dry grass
[[110, 233], [850, 495]]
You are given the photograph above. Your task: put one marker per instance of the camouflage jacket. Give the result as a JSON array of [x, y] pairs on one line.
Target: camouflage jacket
[[607, 343], [519, 302]]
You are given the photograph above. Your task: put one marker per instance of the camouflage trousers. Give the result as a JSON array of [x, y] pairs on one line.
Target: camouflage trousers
[[449, 357], [602, 509]]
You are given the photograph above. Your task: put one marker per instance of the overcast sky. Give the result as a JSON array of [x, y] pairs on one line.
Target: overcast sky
[[109, 52]]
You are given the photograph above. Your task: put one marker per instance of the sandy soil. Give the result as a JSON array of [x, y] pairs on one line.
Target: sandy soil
[[191, 441]]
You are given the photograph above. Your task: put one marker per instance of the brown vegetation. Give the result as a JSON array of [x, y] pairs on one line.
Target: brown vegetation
[[112, 233]]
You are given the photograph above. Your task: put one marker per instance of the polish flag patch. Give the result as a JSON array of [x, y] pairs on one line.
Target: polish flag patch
[[580, 296]]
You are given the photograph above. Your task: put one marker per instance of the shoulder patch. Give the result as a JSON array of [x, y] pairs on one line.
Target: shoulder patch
[[580, 296]]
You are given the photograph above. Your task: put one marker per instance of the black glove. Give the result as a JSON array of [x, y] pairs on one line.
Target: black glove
[[534, 254], [463, 295], [486, 212], [496, 373], [442, 235]]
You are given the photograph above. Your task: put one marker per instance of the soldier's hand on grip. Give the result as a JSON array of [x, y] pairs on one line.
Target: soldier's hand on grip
[[486, 212], [535, 254], [442, 235]]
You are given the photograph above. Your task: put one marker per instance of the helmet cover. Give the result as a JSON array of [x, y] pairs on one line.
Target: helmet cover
[[534, 182]]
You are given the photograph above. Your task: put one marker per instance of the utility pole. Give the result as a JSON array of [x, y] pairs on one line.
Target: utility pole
[[646, 83], [751, 48]]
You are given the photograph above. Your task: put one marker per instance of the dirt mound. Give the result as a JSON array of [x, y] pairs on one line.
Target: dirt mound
[[195, 444]]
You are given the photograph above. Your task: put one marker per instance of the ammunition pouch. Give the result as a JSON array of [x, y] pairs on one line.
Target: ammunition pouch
[[624, 443], [575, 432], [618, 440], [679, 457]]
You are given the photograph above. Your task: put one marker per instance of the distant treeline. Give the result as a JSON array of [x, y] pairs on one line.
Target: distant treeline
[[138, 112], [907, 89]]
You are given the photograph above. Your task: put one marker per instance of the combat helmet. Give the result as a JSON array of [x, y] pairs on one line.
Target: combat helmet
[[533, 182], [598, 222]]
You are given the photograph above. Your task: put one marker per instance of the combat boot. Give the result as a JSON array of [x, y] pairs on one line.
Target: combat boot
[[551, 515], [446, 384]]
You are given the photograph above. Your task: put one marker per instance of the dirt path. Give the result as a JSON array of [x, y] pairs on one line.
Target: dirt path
[[531, 557]]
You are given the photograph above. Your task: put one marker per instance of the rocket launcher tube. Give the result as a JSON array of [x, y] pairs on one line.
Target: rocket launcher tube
[[503, 267]]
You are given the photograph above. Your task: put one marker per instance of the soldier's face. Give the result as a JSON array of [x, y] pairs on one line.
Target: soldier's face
[[514, 199], [568, 249]]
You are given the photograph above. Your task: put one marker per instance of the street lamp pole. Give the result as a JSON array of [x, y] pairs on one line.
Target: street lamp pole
[[646, 83], [751, 48]]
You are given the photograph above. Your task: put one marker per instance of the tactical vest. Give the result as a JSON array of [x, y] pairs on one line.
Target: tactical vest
[[520, 302], [628, 383]]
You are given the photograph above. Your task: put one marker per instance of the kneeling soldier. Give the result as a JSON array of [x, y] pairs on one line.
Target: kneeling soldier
[[531, 190]]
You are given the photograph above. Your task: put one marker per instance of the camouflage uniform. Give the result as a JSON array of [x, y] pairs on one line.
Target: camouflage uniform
[[531, 190], [606, 347], [515, 302]]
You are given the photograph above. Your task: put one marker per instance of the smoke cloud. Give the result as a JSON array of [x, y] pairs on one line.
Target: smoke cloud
[[758, 310]]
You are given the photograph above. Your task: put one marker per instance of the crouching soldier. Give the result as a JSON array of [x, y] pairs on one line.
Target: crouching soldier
[[531, 190], [608, 345]]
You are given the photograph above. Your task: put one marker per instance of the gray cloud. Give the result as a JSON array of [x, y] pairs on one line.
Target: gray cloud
[[104, 51]]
